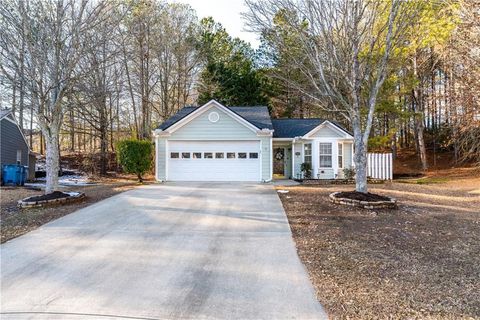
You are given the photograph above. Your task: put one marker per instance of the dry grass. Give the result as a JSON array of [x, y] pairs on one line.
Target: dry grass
[[419, 261], [16, 221]]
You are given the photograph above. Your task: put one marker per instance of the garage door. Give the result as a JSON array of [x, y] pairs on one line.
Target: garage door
[[214, 161]]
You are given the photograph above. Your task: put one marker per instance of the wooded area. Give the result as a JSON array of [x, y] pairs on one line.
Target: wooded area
[[81, 75]]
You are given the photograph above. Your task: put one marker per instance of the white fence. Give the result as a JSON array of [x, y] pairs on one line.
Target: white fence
[[380, 166]]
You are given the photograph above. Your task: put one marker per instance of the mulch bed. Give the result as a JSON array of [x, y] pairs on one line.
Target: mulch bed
[[371, 197], [49, 196], [418, 262]]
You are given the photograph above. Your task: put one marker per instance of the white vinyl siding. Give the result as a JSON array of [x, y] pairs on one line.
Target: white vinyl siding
[[340, 156], [226, 128], [297, 159], [347, 155], [266, 158], [327, 132], [160, 149]]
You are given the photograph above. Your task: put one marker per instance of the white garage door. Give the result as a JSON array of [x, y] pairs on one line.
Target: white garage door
[[214, 161]]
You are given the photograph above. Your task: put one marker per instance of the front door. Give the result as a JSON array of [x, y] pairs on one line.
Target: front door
[[278, 161]]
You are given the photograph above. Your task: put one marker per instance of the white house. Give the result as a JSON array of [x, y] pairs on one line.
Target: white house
[[218, 143]]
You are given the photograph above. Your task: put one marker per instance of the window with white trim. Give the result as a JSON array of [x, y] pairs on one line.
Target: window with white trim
[[340, 155], [219, 155], [242, 155], [307, 153], [253, 155], [174, 155], [325, 154], [197, 155], [208, 155], [230, 155], [185, 155], [19, 156]]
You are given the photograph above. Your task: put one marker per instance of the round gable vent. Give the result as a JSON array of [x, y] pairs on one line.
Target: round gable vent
[[213, 116]]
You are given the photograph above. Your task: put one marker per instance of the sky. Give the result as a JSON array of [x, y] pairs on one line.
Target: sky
[[227, 12]]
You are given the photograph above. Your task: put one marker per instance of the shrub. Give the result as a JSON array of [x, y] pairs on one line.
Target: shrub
[[306, 169], [349, 173], [135, 156]]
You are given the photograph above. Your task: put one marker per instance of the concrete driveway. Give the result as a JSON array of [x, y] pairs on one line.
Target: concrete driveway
[[171, 251]]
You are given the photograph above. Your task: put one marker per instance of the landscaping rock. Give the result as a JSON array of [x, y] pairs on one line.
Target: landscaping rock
[[56, 197], [363, 200]]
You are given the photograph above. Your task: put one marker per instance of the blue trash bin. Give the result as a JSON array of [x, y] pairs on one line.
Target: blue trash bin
[[13, 174], [24, 175]]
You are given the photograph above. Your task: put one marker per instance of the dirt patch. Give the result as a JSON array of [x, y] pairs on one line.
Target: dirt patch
[[370, 197], [420, 261], [407, 164], [16, 221]]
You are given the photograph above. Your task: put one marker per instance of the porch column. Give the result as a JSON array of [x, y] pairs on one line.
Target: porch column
[[335, 159], [315, 159], [293, 159]]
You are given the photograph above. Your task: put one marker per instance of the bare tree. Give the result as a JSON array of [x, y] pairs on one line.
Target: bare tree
[[348, 44], [95, 91], [52, 34], [138, 40], [176, 58]]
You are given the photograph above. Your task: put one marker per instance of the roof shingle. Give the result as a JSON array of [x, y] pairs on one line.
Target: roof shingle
[[258, 116], [291, 128]]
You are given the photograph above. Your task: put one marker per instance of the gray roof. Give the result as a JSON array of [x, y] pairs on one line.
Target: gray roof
[[182, 113], [258, 116], [291, 128], [4, 112]]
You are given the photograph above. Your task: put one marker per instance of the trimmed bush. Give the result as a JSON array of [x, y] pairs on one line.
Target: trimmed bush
[[135, 156], [349, 173], [306, 168]]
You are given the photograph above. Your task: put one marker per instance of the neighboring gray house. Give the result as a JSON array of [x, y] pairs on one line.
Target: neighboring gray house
[[218, 143], [13, 146]]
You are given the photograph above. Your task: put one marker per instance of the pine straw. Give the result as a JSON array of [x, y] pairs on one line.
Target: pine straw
[[420, 261]]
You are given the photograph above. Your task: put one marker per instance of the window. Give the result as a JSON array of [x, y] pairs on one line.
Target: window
[[230, 155], [325, 151], [19, 156], [219, 155], [253, 155], [197, 155], [340, 155], [242, 155], [185, 155], [208, 155], [174, 155], [307, 153]]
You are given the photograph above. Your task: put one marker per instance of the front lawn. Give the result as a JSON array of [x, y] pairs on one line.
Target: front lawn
[[419, 261]]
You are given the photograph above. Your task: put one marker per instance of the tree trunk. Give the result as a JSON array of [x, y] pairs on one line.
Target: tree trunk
[[418, 119], [360, 160], [52, 162], [42, 151], [421, 143], [103, 143], [72, 131]]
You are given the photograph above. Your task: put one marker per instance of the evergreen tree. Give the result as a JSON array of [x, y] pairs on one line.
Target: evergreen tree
[[229, 74]]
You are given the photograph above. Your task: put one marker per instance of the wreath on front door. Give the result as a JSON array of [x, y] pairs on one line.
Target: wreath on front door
[[279, 155]]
